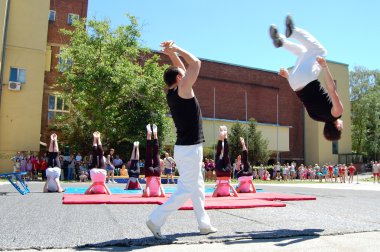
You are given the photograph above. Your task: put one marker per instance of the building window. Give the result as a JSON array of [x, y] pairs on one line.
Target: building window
[[335, 147], [52, 15], [17, 74], [56, 107], [63, 64], [71, 17]]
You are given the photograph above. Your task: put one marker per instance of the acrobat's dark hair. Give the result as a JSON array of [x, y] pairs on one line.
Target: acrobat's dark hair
[[170, 75], [331, 132]]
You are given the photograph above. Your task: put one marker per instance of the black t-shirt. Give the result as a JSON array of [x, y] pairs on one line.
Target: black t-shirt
[[187, 117], [317, 102]]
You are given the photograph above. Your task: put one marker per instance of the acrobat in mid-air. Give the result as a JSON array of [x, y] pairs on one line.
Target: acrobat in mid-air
[[322, 104]]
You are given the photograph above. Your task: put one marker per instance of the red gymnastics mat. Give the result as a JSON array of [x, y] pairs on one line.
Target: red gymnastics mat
[[245, 200], [276, 196]]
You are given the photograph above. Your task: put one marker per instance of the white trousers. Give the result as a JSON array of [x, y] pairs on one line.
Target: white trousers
[[190, 186], [306, 68]]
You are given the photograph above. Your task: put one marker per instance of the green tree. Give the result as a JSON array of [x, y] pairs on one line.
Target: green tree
[[112, 84], [234, 135], [365, 107], [257, 146], [258, 152]]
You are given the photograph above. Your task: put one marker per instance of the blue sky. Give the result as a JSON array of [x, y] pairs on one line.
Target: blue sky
[[236, 31]]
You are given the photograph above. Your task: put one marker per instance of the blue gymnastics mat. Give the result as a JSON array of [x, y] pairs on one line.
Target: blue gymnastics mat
[[117, 190]]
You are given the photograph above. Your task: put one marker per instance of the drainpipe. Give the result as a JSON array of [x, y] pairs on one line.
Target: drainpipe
[[5, 31]]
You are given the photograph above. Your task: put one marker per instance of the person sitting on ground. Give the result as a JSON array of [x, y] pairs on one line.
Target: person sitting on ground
[[245, 172], [98, 172], [223, 167], [118, 163], [123, 171], [83, 176], [152, 167], [53, 173], [134, 169], [303, 79]]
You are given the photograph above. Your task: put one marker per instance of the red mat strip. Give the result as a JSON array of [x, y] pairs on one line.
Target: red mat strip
[[245, 200], [233, 203], [276, 196]]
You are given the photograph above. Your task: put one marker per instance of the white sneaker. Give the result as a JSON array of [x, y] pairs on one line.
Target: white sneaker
[[113, 181], [206, 231], [156, 231]]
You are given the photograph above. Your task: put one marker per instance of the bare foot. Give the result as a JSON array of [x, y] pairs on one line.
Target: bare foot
[[53, 136], [242, 140], [225, 131], [154, 128], [148, 129], [283, 73], [96, 134], [221, 133]]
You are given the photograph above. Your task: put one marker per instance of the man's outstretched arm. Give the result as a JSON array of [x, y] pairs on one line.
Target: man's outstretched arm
[[192, 72], [337, 109], [167, 49]]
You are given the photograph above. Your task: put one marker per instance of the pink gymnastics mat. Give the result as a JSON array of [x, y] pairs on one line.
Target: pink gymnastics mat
[[245, 200]]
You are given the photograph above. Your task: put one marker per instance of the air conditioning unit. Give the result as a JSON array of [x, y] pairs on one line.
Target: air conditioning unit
[[15, 86]]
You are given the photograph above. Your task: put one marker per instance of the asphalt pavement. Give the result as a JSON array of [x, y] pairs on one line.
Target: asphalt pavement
[[41, 221]]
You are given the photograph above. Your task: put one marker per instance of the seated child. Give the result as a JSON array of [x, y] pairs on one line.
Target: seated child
[[134, 169], [152, 166], [245, 172], [53, 173], [223, 167], [98, 172], [83, 176], [123, 171]]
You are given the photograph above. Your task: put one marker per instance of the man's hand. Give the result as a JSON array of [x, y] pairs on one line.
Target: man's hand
[[322, 61], [168, 43], [168, 47], [283, 73]]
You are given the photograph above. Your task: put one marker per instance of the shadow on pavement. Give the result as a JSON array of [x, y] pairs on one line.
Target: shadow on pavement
[[133, 244], [283, 237]]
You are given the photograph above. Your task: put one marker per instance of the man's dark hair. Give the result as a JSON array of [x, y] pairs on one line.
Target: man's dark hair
[[170, 75], [330, 132]]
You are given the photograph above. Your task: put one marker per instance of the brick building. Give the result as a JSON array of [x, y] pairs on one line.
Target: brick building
[[232, 83], [61, 15]]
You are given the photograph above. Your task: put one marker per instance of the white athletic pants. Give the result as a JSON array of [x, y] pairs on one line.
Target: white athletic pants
[[306, 68], [190, 185]]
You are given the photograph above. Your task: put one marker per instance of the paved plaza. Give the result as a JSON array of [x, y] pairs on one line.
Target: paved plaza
[[341, 215]]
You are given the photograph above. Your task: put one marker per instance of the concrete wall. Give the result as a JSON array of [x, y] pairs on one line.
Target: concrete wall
[[20, 111]]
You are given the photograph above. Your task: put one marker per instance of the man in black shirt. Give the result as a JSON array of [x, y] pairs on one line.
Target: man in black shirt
[[188, 149], [303, 79]]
